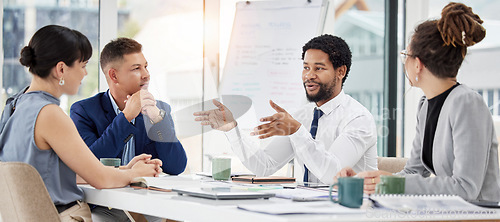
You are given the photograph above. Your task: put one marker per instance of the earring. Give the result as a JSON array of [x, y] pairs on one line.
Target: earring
[[61, 81], [416, 78]]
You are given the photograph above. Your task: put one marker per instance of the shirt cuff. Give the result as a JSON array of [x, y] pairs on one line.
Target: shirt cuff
[[233, 135], [300, 137]]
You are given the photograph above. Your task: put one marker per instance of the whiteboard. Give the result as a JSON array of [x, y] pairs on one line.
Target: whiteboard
[[264, 54]]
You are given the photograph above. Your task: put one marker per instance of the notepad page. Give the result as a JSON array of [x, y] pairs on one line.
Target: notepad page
[[425, 203]]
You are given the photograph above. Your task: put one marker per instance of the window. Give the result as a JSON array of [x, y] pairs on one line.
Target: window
[[362, 26], [171, 33], [21, 19]]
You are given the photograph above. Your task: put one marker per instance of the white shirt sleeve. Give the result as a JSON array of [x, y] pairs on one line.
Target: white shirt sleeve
[[346, 136], [262, 162], [324, 160]]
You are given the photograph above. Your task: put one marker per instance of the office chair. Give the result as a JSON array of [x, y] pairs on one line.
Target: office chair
[[23, 196], [391, 164]]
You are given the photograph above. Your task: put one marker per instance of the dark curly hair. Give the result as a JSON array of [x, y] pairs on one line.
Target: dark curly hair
[[337, 49], [442, 44]]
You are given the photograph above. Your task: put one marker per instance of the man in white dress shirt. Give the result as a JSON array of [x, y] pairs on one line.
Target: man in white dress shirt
[[343, 135]]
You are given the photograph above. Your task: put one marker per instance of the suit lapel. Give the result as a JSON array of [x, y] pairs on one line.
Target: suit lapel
[[107, 107]]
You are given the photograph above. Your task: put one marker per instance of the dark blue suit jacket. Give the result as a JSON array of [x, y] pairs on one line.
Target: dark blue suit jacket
[[107, 133]]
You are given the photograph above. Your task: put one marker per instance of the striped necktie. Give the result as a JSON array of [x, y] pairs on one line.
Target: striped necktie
[[314, 128]]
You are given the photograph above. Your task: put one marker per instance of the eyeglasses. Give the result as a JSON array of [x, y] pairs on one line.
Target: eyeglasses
[[404, 55]]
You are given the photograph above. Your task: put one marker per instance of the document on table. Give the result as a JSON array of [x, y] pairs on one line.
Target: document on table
[[241, 186], [168, 182], [301, 208], [305, 194], [300, 193]]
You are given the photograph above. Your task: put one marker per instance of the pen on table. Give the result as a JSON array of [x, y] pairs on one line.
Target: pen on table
[[322, 189]]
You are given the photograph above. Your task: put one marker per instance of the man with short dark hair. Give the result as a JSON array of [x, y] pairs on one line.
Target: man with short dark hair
[[332, 132], [126, 120]]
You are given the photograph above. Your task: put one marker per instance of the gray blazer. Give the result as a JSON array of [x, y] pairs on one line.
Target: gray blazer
[[465, 150]]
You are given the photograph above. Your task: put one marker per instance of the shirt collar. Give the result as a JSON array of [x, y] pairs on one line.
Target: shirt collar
[[115, 106], [332, 104], [113, 103]]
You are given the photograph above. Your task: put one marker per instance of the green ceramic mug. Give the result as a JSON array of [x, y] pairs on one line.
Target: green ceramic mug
[[390, 185], [350, 192], [221, 168], [111, 161]]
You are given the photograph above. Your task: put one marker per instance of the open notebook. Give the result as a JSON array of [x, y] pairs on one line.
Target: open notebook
[[435, 204], [163, 183]]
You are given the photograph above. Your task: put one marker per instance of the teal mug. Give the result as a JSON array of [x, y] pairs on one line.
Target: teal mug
[[115, 162], [350, 192], [390, 185]]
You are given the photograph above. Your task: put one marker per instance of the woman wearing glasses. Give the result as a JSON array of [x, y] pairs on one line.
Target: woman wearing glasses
[[455, 137]]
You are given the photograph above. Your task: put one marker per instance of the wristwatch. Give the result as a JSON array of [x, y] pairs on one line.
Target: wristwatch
[[161, 115]]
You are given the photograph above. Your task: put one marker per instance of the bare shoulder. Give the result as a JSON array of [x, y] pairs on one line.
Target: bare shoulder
[[52, 118], [51, 112], [49, 118], [52, 124]]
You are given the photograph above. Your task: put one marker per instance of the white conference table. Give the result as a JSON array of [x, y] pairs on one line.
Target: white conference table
[[186, 208]]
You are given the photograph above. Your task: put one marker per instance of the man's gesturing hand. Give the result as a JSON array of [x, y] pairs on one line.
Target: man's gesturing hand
[[281, 124], [220, 118]]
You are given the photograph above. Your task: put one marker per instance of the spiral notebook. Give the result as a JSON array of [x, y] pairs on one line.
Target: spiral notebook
[[425, 204]]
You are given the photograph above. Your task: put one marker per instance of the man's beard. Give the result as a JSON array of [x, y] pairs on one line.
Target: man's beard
[[325, 91]]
